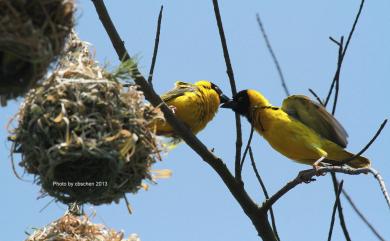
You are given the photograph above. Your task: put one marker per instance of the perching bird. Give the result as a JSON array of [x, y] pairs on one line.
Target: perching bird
[[301, 129], [194, 104]]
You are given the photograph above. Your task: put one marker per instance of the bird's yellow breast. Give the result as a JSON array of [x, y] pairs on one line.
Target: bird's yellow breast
[[287, 135]]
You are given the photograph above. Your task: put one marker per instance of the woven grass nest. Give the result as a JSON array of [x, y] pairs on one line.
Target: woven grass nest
[[32, 34], [83, 136], [75, 228]]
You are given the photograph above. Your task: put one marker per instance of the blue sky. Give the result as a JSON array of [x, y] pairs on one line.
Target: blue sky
[[194, 204]]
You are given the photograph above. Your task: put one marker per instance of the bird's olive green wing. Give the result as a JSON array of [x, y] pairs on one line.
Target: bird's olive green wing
[[180, 89], [316, 117]]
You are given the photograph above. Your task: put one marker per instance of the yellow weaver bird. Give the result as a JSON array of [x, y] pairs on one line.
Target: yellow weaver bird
[[194, 104], [301, 129]]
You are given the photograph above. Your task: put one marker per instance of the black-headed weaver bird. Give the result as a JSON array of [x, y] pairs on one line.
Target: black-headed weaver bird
[[194, 104], [301, 129]]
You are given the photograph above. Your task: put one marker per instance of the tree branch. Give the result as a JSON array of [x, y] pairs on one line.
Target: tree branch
[[316, 96], [336, 81], [257, 216], [260, 180], [337, 75], [156, 44], [229, 71], [276, 62], [340, 208], [345, 50], [362, 217], [307, 176], [336, 203], [248, 146], [378, 132]]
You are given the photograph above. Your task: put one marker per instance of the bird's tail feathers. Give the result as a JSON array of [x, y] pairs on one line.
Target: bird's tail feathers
[[359, 162], [338, 154]]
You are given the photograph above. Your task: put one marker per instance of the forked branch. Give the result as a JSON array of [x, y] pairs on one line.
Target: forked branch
[[258, 218], [307, 176], [229, 71]]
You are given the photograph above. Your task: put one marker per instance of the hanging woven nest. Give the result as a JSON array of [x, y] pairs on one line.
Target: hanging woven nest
[[83, 136], [32, 35], [75, 228]]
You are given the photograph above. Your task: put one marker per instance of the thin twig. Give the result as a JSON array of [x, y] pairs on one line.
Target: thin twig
[[337, 76], [336, 203], [260, 180], [353, 27], [47, 205], [345, 48], [307, 176], [248, 145], [334, 40], [347, 160], [128, 205], [229, 71], [340, 208], [333, 175], [250, 208], [316, 96], [336, 82], [156, 44], [362, 217], [381, 182], [269, 47]]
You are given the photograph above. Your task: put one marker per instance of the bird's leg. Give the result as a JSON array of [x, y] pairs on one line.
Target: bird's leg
[[173, 109], [317, 164]]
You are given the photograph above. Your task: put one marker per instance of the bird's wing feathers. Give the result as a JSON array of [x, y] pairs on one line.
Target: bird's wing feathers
[[180, 89], [316, 117]]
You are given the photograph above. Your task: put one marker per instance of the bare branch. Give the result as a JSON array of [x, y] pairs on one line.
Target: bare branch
[[381, 182], [156, 44], [340, 208], [128, 206], [276, 62], [257, 216], [336, 203], [334, 41], [337, 76], [307, 176], [378, 132], [260, 180], [336, 80], [229, 71], [344, 49], [341, 54], [362, 217], [248, 146], [316, 96], [353, 27]]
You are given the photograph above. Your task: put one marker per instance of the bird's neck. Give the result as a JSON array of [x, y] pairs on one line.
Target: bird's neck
[[259, 110]]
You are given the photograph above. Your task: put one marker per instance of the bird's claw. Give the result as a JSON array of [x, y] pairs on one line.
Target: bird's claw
[[173, 109]]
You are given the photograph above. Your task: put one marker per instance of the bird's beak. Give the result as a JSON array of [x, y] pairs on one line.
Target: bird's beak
[[230, 104], [224, 98]]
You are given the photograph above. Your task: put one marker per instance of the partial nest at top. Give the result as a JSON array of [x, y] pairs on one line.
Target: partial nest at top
[[32, 35], [74, 228], [84, 137]]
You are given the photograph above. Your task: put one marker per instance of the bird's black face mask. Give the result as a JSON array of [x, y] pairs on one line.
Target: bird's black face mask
[[240, 104]]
